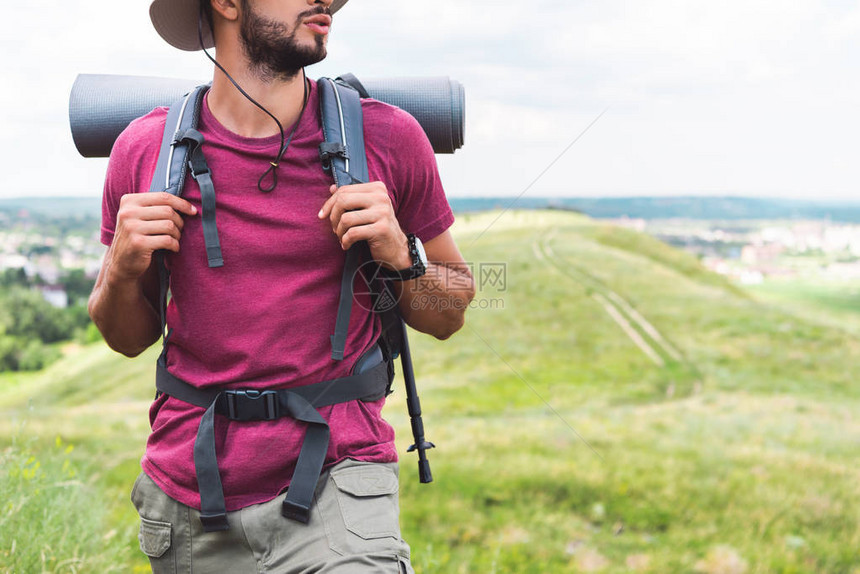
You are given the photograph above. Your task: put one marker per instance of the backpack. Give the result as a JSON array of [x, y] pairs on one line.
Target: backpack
[[343, 154]]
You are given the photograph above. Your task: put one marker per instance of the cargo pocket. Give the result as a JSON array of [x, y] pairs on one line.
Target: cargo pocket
[[363, 516], [154, 537]]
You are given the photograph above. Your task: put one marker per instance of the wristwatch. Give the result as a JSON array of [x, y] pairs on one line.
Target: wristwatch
[[419, 262]]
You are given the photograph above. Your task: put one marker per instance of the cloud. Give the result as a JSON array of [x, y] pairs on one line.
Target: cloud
[[734, 97]]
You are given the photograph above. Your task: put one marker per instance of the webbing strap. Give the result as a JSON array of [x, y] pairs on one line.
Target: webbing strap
[[297, 504], [163, 288], [300, 494], [368, 385], [344, 305], [213, 512], [201, 174], [300, 403]]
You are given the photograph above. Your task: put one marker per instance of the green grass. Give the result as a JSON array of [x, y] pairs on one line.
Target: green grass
[[831, 303], [562, 447]]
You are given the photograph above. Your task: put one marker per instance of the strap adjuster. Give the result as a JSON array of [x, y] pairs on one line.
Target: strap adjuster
[[295, 511], [251, 405], [214, 522], [330, 150]]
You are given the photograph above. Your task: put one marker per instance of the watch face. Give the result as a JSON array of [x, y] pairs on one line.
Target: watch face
[[422, 255]]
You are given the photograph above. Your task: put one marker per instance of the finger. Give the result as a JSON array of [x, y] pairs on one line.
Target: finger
[[162, 242], [359, 233], [345, 202], [162, 198], [181, 205], [326, 208], [161, 212], [140, 231], [148, 244], [159, 227], [370, 187], [352, 219]]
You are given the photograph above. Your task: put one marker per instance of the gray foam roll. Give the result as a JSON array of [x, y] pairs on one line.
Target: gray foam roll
[[101, 106], [438, 103]]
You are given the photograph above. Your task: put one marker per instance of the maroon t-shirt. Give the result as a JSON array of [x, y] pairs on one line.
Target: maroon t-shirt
[[264, 319]]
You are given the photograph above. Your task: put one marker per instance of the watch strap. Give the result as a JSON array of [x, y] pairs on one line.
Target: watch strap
[[417, 269]]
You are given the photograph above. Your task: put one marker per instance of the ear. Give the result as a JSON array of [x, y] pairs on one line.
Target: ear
[[226, 9]]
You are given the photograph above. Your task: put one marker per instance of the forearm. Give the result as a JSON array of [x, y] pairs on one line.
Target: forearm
[[124, 301], [122, 312], [436, 302]]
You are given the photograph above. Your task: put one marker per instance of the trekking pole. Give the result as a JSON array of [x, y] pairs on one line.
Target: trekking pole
[[414, 407]]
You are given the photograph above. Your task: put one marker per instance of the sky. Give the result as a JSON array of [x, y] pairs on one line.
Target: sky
[[577, 98]]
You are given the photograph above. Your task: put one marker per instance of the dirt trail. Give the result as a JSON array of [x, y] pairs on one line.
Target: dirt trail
[[631, 321]]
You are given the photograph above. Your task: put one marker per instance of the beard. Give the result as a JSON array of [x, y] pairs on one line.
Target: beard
[[271, 46]]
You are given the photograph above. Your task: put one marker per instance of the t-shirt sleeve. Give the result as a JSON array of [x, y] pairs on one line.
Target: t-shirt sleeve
[[130, 167], [422, 207], [117, 181]]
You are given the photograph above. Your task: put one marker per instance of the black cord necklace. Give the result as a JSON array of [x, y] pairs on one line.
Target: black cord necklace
[[285, 142]]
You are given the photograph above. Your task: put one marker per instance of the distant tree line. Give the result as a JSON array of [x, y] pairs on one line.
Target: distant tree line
[[30, 327]]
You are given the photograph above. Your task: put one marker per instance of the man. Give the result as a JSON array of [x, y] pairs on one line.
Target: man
[[263, 320]]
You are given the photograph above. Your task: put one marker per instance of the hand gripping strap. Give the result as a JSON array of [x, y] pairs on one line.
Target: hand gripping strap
[[343, 153], [169, 176]]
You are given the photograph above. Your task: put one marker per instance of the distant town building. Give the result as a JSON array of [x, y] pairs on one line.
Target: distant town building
[[751, 277], [55, 295], [636, 224], [13, 261], [761, 254], [843, 271]]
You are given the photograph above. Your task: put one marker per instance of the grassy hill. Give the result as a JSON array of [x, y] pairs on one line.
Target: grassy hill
[[610, 406], [725, 208]]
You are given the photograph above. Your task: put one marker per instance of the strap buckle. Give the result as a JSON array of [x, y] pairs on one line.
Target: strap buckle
[[196, 161], [251, 405], [296, 511], [214, 522]]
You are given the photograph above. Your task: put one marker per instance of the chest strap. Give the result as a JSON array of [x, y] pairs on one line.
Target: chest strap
[[300, 403]]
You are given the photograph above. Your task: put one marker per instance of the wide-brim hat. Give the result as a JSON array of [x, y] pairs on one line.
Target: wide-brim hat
[[176, 22]]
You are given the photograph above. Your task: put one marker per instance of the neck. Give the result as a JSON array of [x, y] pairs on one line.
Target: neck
[[283, 98]]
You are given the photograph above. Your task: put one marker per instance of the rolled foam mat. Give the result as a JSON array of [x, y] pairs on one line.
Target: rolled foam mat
[[101, 106]]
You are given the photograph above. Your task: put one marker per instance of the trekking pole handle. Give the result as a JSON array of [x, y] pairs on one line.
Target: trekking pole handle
[[421, 445]]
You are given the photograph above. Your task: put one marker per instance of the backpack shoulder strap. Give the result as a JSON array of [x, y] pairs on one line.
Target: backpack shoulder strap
[[355, 83], [181, 149], [170, 170], [343, 153]]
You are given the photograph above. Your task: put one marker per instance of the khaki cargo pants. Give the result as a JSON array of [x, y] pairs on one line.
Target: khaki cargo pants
[[354, 529]]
